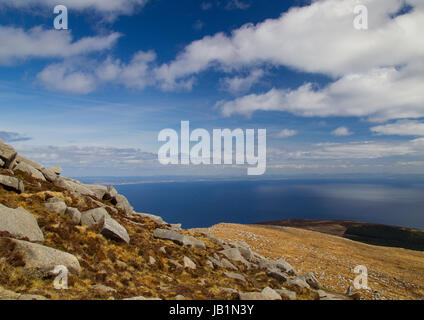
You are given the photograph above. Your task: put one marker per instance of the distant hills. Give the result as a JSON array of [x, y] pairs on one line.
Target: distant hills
[[370, 233]]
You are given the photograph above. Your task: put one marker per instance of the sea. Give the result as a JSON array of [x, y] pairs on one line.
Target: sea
[[206, 203]]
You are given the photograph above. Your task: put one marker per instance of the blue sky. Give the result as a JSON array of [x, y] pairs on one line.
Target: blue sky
[[332, 98]]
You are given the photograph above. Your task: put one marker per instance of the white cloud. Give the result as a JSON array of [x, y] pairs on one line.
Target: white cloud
[[286, 133], [315, 38], [362, 150], [113, 7], [40, 43], [380, 94], [401, 128], [237, 4], [239, 84], [64, 78], [341, 132], [82, 76]]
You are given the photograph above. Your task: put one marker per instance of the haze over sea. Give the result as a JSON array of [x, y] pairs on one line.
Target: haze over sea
[[205, 203]]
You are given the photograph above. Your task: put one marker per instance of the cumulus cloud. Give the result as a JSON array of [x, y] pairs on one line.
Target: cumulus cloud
[[285, 133], [110, 7], [379, 94], [401, 128], [341, 132], [40, 43], [239, 84], [84, 76]]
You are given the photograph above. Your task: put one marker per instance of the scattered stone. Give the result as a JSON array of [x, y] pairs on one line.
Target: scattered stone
[[142, 298], [311, 280], [176, 264], [325, 295], [277, 275], [228, 265], [12, 183], [111, 229], [286, 267], [180, 297], [56, 205], [20, 223], [152, 260], [270, 294], [235, 276], [40, 260], [229, 290], [298, 283], [234, 254], [75, 215], [290, 295], [255, 296], [10, 295], [178, 238], [103, 288], [188, 263], [162, 250], [94, 216]]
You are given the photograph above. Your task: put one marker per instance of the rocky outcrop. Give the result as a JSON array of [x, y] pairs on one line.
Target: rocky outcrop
[[10, 295], [74, 214], [56, 205], [40, 260], [20, 224], [12, 183], [28, 169]]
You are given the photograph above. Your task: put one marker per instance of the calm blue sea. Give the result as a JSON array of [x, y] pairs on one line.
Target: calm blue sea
[[202, 204]]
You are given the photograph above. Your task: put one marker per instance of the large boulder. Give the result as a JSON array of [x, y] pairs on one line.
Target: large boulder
[[122, 203], [7, 155], [285, 267], [94, 216], [56, 205], [39, 260], [266, 294], [111, 229], [74, 214], [34, 164], [49, 174], [234, 254], [12, 183], [56, 169], [98, 190], [20, 223], [24, 167], [73, 186]]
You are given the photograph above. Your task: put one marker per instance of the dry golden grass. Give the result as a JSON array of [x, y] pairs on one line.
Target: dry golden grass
[[393, 273]]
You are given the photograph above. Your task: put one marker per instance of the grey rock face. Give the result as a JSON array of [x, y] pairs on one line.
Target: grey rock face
[[12, 183], [10, 295], [310, 279], [73, 186], [56, 205], [7, 155], [266, 294], [228, 265], [298, 283], [75, 215], [111, 229], [29, 170], [94, 216], [111, 193], [20, 223], [270, 294], [41, 260]]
